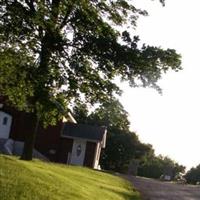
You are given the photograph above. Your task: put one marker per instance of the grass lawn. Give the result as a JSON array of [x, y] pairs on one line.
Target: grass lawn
[[36, 180]]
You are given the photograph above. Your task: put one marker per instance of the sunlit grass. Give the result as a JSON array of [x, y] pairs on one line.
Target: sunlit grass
[[36, 180]]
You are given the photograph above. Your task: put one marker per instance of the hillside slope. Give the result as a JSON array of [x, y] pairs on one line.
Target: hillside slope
[[36, 180]]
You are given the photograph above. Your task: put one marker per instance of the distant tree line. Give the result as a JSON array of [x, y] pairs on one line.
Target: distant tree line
[[152, 166], [123, 146], [193, 175]]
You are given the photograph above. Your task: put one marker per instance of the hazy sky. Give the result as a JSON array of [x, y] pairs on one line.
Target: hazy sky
[[171, 122]]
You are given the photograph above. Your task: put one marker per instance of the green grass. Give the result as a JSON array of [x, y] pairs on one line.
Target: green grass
[[36, 180]]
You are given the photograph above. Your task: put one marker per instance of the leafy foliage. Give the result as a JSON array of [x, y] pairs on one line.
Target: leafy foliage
[[193, 175], [122, 147], [55, 52], [153, 166], [48, 44]]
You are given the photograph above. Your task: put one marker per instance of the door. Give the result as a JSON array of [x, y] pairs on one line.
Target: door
[[78, 152], [90, 154], [5, 125]]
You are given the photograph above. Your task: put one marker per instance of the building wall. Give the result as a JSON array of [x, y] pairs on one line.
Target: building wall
[[22, 123], [68, 148], [5, 125], [78, 152], [90, 154], [64, 150], [49, 142]]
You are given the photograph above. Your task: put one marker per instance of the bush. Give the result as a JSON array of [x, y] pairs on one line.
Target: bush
[[193, 175]]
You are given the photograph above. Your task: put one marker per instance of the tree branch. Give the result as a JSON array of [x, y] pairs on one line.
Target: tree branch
[[55, 9], [31, 5], [70, 8]]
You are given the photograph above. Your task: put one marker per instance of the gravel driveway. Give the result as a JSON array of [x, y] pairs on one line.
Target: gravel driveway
[[157, 190]]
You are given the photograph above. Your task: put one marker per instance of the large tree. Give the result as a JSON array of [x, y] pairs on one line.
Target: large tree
[[82, 45]]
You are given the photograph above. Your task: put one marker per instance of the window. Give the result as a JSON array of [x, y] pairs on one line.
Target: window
[[78, 150], [5, 121]]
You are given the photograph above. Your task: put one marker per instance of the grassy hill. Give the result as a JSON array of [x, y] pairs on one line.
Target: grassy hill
[[36, 180]]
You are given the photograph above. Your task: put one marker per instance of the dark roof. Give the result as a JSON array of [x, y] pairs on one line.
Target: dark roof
[[84, 131]]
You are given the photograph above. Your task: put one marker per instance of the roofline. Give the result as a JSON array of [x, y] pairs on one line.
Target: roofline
[[71, 118], [101, 142], [86, 139]]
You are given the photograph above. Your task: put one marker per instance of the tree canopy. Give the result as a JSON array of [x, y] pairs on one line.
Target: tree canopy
[[122, 145], [193, 175], [153, 166], [53, 52], [48, 44]]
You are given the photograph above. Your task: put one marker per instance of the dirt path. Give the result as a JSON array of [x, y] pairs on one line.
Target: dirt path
[[157, 190]]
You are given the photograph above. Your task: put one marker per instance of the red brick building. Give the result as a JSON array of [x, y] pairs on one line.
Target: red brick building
[[67, 142]]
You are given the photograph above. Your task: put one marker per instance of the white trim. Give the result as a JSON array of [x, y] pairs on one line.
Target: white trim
[[96, 157], [72, 137], [71, 118], [103, 142], [5, 126]]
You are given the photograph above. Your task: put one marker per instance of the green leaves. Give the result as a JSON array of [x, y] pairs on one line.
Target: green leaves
[[153, 166], [193, 175], [74, 49], [16, 82]]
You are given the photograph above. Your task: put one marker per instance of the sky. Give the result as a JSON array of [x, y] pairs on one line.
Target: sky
[[171, 121]]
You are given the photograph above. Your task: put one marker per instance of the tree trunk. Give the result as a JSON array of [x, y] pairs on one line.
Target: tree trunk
[[47, 45], [30, 142], [43, 67]]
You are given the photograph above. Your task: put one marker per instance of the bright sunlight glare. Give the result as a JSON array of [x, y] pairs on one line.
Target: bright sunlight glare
[[170, 122]]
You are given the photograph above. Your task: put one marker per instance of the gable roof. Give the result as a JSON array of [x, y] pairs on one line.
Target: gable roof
[[84, 131]]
